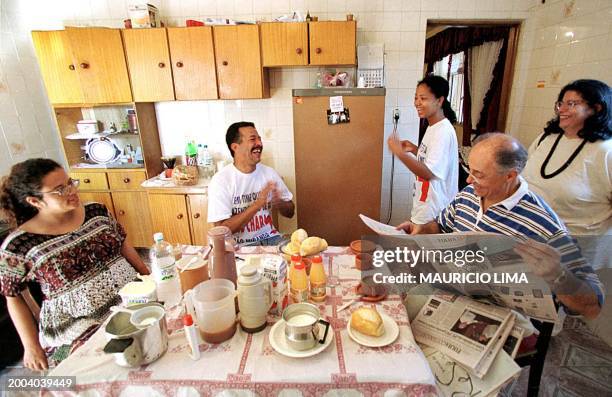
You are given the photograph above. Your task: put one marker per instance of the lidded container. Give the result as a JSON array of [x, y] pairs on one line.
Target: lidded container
[[222, 260], [254, 299]]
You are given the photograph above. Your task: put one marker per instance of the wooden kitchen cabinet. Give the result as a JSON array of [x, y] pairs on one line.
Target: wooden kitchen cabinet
[[284, 44], [182, 218], [198, 212], [148, 59], [239, 70], [83, 65], [98, 197], [193, 62], [170, 216], [332, 42], [90, 180], [57, 66], [132, 211]]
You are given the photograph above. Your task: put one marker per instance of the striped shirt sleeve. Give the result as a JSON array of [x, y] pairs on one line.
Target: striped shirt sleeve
[[573, 260], [446, 218]]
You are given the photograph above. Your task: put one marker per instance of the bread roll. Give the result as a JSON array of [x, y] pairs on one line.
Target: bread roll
[[298, 236], [367, 321]]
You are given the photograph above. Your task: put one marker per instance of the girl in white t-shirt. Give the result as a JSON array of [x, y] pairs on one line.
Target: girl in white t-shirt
[[435, 162]]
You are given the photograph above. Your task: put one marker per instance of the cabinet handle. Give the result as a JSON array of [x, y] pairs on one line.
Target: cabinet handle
[[298, 51], [86, 180], [121, 212], [318, 50], [196, 215], [84, 65], [179, 216], [179, 64], [161, 64], [224, 63], [126, 180], [71, 67]]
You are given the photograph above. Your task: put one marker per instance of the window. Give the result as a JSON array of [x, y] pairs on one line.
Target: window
[[451, 68]]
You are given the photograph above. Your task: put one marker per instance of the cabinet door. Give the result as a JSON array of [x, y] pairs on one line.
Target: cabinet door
[[284, 44], [170, 216], [132, 211], [149, 63], [101, 64], [332, 43], [238, 59], [193, 63], [98, 197], [57, 66], [198, 211]]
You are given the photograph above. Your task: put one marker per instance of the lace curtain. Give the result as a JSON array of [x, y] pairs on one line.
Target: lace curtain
[[483, 59]]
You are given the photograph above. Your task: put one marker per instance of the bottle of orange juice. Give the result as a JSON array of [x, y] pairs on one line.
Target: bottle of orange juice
[[318, 280], [294, 259], [299, 283]]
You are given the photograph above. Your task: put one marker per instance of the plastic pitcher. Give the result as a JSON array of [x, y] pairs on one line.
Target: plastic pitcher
[[212, 304]]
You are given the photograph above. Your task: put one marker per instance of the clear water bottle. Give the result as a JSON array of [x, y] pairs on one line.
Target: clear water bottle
[[164, 270], [205, 161]]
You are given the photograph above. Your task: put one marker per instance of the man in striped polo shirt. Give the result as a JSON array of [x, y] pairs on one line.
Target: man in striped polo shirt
[[498, 200]]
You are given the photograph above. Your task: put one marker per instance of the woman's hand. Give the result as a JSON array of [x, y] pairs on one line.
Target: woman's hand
[[395, 145], [34, 358]]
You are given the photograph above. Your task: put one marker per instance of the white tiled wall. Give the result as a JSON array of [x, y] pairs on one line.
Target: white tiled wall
[[26, 126], [399, 24]]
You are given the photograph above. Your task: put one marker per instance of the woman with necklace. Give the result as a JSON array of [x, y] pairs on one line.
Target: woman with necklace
[[570, 163]]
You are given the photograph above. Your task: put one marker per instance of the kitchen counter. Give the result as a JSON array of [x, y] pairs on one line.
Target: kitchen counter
[[159, 185]]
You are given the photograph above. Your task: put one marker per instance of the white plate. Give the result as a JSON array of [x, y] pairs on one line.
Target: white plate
[[279, 341], [102, 150], [390, 335]]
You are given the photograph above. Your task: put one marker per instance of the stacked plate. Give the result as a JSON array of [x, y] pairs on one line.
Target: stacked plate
[[102, 150]]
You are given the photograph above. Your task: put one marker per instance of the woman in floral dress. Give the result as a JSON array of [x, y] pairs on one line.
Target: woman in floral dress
[[76, 253]]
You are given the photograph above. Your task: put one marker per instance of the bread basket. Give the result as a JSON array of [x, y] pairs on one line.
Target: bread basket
[[185, 175]]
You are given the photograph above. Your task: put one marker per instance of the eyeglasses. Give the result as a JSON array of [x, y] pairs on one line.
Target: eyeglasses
[[72, 185], [569, 104]]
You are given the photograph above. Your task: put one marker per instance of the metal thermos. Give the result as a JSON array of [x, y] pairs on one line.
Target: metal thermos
[[132, 121]]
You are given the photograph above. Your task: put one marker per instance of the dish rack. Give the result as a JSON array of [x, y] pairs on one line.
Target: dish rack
[[372, 77]]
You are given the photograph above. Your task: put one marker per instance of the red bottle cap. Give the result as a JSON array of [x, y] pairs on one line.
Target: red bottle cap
[[187, 320], [317, 259], [299, 265], [296, 258]]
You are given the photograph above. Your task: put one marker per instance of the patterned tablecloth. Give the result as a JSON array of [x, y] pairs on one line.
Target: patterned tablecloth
[[248, 365]]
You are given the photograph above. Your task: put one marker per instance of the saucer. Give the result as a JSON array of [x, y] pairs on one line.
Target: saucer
[[391, 333], [279, 342]]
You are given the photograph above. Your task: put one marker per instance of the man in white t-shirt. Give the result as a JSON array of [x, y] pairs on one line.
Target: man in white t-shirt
[[241, 195]]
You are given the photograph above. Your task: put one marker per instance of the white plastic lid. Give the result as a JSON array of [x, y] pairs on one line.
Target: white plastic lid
[[159, 236]]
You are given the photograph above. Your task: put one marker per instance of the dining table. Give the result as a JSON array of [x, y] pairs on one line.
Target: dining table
[[248, 365]]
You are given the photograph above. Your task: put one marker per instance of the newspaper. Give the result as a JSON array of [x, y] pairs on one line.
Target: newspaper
[[380, 228], [453, 379], [467, 331], [511, 283], [483, 367], [513, 342]]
